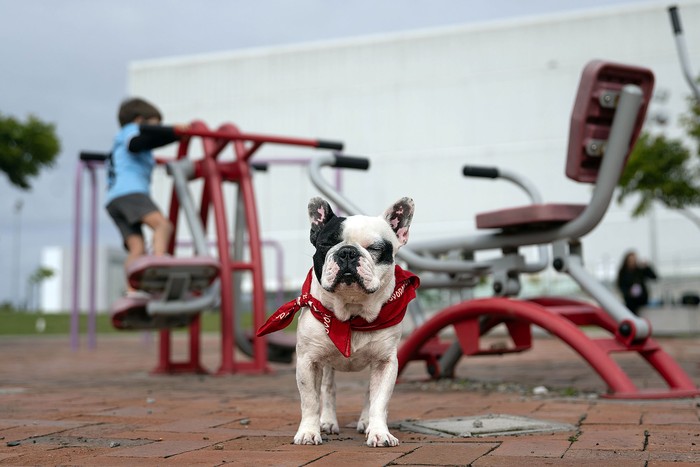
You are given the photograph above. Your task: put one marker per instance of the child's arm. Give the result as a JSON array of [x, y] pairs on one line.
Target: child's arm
[[151, 137]]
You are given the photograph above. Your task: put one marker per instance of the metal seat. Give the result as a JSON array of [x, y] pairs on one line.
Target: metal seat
[[530, 217], [159, 273], [130, 314]]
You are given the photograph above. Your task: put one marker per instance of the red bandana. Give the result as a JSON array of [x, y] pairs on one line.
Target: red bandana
[[392, 312]]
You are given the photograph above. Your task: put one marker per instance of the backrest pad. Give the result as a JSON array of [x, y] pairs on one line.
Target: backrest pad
[[594, 109]]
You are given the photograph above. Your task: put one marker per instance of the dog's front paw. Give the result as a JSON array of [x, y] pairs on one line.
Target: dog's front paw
[[381, 439], [362, 426], [308, 437], [330, 426]]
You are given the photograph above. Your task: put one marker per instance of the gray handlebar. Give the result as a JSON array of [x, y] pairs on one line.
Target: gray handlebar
[[683, 51]]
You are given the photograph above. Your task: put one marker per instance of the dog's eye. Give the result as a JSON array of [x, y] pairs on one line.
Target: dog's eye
[[382, 251]]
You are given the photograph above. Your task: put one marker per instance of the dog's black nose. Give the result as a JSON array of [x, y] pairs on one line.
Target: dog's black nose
[[347, 253], [347, 258]]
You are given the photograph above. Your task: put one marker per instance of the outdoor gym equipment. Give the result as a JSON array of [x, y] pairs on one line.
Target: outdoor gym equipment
[[183, 287], [607, 117]]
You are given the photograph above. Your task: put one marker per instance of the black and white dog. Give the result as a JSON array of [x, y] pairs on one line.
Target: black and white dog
[[352, 305]]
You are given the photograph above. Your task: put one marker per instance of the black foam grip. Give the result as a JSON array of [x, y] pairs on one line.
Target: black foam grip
[[351, 162], [483, 172], [157, 129], [334, 145], [675, 19], [93, 156], [260, 166]]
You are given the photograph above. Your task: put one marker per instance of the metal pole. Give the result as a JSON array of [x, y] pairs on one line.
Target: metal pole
[[92, 314], [683, 51], [180, 171], [653, 236], [17, 253], [75, 312]]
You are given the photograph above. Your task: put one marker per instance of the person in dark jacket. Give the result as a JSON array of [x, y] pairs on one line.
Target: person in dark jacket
[[631, 280]]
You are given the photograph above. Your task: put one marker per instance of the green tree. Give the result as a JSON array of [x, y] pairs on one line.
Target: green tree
[[664, 170], [25, 148], [39, 275]]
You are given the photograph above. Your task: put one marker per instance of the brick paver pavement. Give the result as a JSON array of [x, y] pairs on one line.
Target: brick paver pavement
[[101, 407]]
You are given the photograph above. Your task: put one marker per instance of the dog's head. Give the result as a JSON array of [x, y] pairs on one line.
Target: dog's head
[[356, 253]]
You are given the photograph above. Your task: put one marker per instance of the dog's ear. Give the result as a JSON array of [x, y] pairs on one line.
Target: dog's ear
[[320, 213], [399, 216]]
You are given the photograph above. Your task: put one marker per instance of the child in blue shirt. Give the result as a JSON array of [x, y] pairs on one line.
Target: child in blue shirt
[[129, 171]]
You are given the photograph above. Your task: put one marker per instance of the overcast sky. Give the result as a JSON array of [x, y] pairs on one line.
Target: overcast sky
[[65, 61]]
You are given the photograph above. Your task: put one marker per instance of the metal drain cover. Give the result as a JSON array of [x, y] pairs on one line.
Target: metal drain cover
[[483, 425]]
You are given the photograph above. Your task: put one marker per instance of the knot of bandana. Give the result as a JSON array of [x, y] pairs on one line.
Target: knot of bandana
[[340, 332]]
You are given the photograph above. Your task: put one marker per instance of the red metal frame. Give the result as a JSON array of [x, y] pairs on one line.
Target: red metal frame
[[214, 171], [561, 318]]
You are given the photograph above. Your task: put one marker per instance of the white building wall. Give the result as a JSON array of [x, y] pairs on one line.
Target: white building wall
[[56, 293], [52, 288], [422, 104]]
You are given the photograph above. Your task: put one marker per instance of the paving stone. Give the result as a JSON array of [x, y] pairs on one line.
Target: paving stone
[[673, 438], [681, 417], [160, 449], [677, 456], [256, 443], [190, 425], [111, 461], [378, 456], [532, 446], [657, 463], [53, 456], [620, 439], [518, 461], [154, 436], [605, 457], [610, 414], [446, 454], [256, 422], [252, 458]]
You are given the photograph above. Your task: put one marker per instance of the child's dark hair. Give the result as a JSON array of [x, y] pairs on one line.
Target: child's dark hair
[[135, 107]]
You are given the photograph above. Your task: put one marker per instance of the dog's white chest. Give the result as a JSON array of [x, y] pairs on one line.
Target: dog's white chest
[[366, 346]]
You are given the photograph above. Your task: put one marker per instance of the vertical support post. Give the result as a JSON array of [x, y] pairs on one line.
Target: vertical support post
[[75, 311], [92, 316], [259, 345], [163, 353], [195, 345], [214, 195]]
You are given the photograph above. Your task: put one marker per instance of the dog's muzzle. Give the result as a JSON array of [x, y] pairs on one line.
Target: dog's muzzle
[[348, 259]]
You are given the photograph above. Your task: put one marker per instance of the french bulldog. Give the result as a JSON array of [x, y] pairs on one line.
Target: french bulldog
[[352, 305]]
